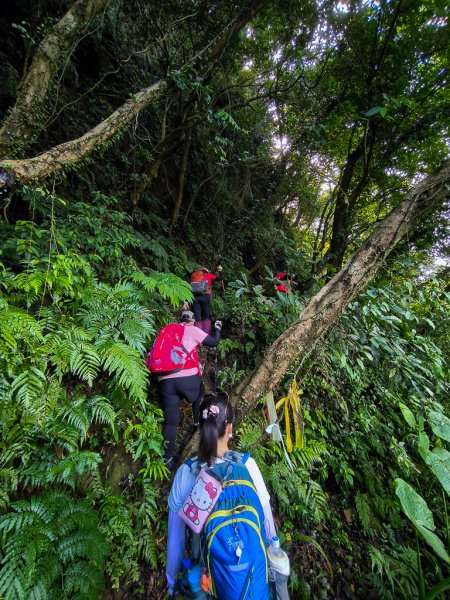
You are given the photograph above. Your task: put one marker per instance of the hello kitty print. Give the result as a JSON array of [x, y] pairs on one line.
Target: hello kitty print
[[201, 500]]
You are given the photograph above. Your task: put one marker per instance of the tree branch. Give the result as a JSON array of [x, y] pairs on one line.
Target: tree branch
[[47, 61], [19, 172]]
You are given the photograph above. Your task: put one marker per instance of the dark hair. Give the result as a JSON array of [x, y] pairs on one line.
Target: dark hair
[[215, 413]]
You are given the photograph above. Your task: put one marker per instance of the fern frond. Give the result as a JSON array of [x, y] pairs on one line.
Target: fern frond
[[169, 286], [13, 581], [62, 434], [20, 323], [85, 578], [28, 386], [362, 504], [399, 571], [102, 411], [115, 517], [46, 572], [31, 281], [9, 479], [75, 465], [137, 328], [147, 547], [45, 537], [311, 454], [15, 441], [77, 415], [126, 365], [85, 362]]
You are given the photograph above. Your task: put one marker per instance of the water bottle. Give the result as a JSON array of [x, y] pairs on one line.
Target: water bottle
[[194, 577], [279, 565], [190, 582]]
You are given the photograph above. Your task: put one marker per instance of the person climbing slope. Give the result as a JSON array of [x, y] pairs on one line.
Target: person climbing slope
[[236, 568], [177, 344], [201, 282], [283, 282]]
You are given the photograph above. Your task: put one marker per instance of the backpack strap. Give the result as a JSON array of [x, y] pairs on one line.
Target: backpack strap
[[237, 457], [194, 465]]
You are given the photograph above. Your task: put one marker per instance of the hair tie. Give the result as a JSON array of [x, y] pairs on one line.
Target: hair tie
[[212, 410]]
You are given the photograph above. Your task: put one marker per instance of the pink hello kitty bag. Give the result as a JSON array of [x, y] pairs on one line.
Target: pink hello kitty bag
[[201, 500]]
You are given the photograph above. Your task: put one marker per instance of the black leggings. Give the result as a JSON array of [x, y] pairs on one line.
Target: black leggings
[[201, 307], [171, 391]]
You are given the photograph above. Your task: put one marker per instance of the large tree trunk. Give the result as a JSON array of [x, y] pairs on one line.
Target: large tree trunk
[[23, 117], [19, 172], [326, 306]]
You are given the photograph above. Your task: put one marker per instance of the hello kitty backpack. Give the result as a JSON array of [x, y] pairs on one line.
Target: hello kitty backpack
[[201, 500]]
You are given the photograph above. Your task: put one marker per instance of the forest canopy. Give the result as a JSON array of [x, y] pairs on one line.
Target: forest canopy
[[141, 139]]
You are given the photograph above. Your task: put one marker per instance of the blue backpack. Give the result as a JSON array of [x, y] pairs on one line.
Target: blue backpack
[[233, 540]]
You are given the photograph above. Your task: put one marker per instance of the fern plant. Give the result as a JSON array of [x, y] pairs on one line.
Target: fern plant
[[296, 493], [394, 575], [49, 542], [143, 439]]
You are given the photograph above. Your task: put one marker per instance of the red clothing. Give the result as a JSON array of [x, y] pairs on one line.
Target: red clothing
[[209, 278], [279, 287]]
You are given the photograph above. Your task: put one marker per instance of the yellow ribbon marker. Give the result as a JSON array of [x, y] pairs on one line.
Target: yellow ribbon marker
[[292, 399]]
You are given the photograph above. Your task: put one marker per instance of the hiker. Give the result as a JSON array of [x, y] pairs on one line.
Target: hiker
[[241, 562], [201, 282], [283, 282], [184, 383]]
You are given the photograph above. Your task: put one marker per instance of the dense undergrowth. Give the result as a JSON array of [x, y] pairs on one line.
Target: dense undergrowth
[[81, 449], [284, 153]]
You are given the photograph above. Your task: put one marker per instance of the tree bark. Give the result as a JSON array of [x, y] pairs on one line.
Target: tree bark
[[181, 179], [23, 117], [345, 201], [326, 306], [18, 172]]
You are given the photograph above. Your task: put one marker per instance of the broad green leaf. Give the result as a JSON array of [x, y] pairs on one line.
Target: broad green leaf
[[434, 541], [416, 509], [443, 455], [407, 414], [424, 445], [440, 469], [430, 323], [440, 424], [376, 110], [413, 505]]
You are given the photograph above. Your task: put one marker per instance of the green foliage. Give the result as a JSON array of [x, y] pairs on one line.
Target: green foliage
[[143, 440], [377, 388], [296, 493], [51, 540], [394, 575], [73, 377], [169, 286], [417, 511]]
